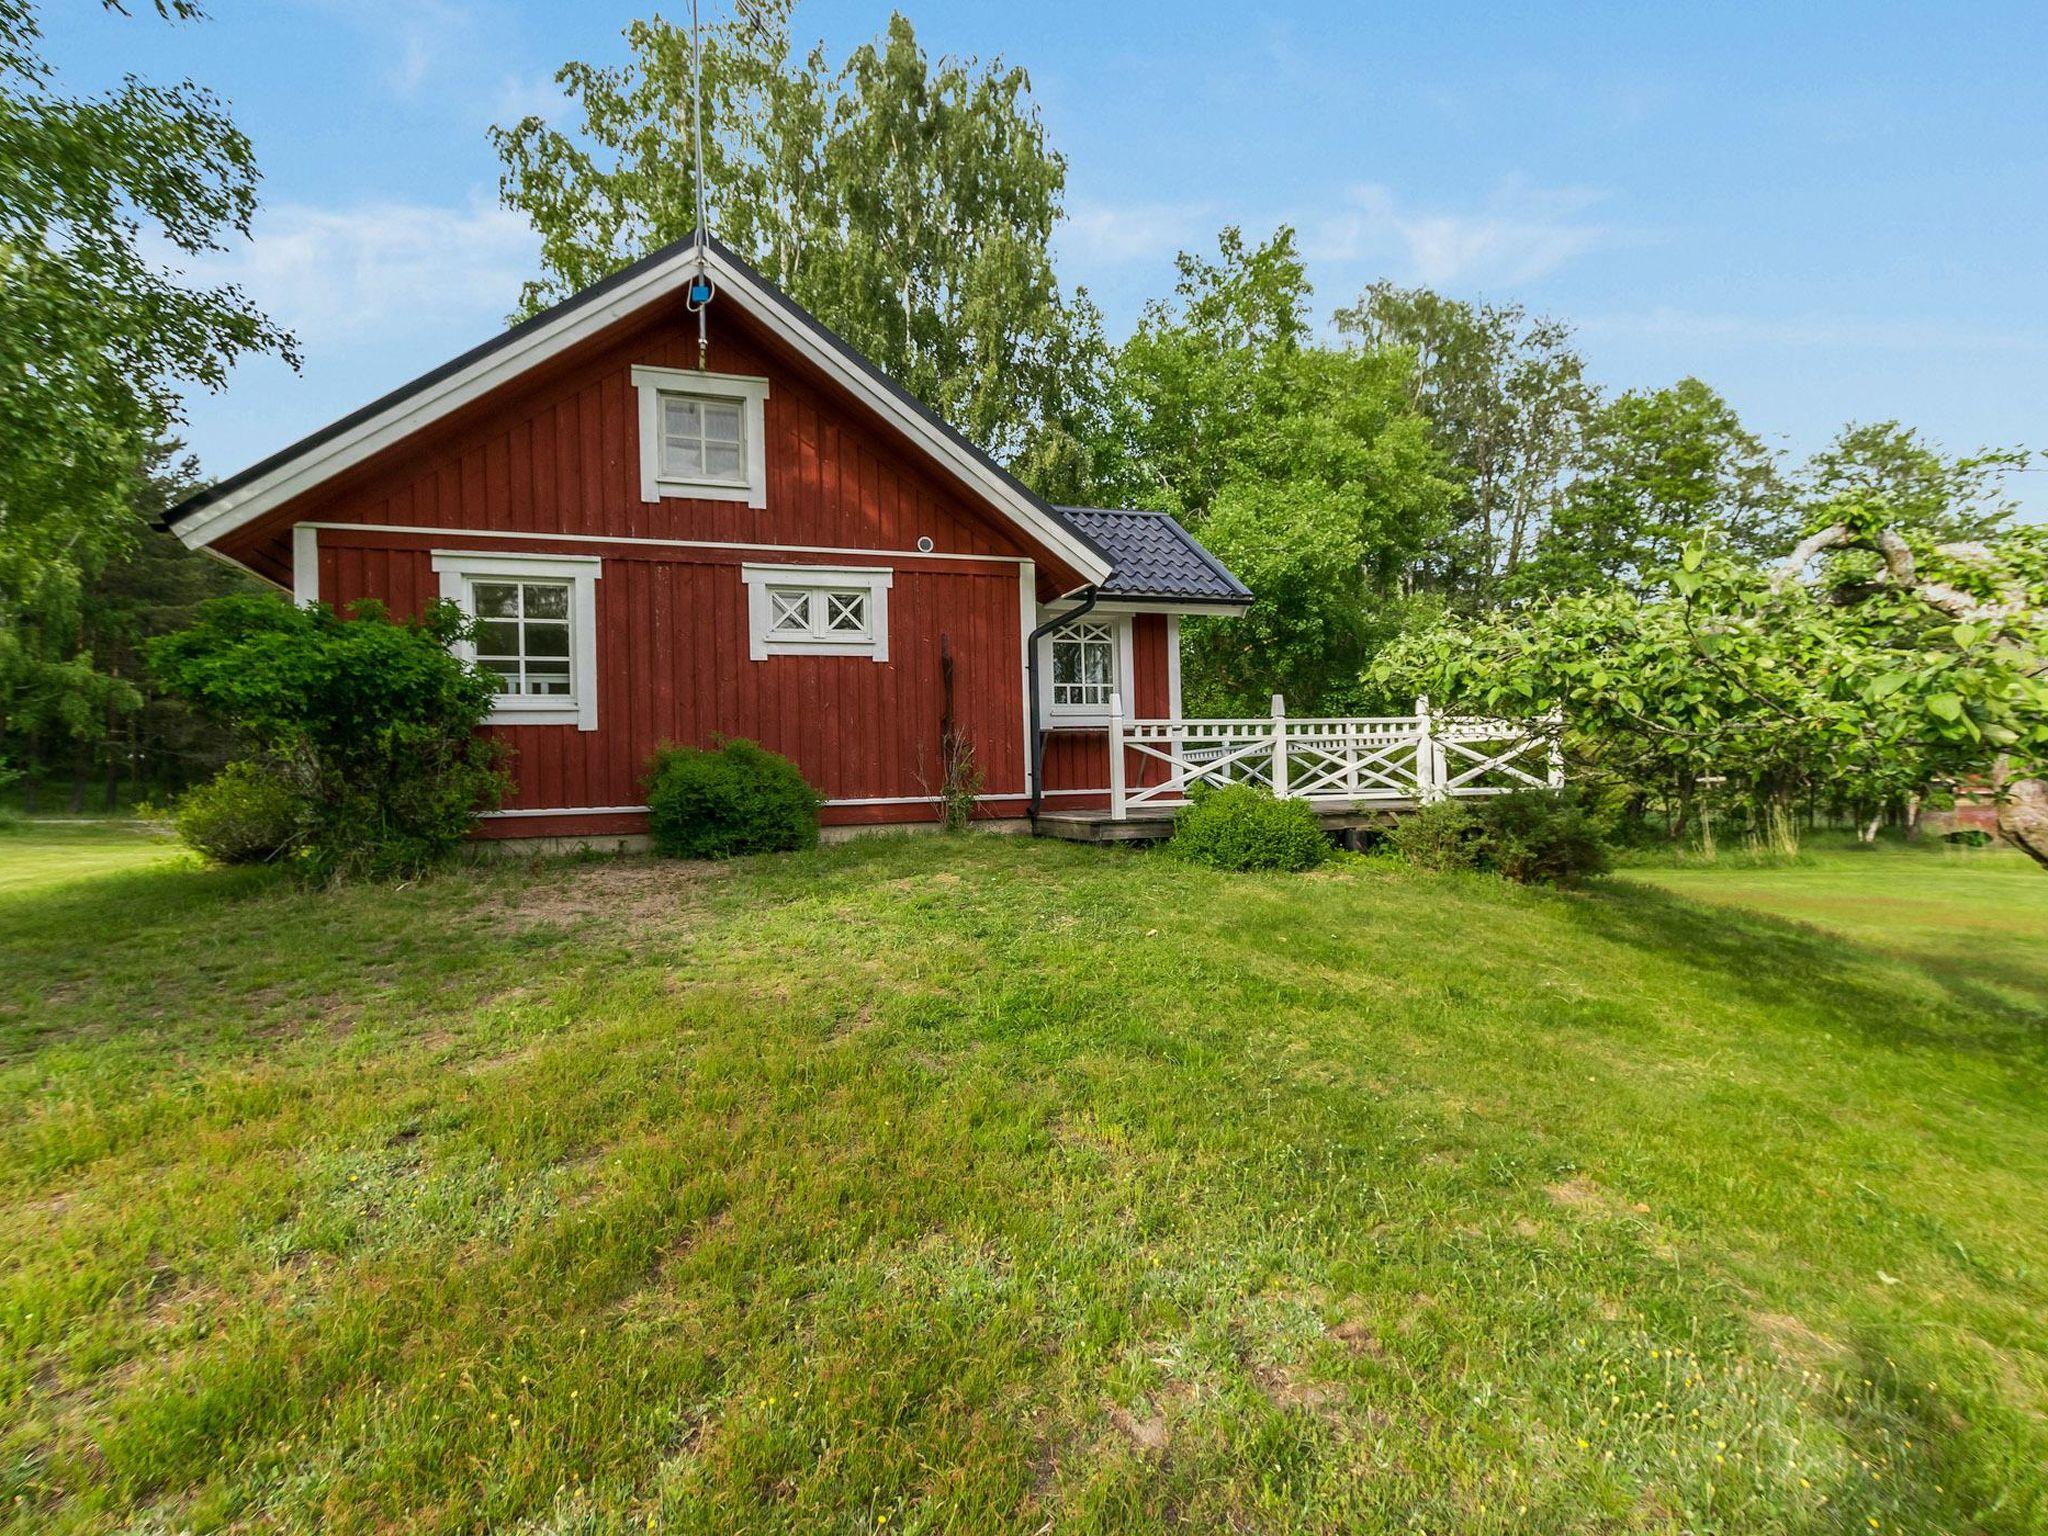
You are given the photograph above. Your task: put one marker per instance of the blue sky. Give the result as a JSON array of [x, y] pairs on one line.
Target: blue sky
[[1830, 212]]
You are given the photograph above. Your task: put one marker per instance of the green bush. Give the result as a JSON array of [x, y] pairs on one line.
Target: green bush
[[1541, 836], [246, 814], [1243, 827], [1535, 836], [1441, 836], [737, 798], [373, 721]]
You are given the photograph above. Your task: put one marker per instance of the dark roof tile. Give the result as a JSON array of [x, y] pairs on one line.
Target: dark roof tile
[[1154, 556]]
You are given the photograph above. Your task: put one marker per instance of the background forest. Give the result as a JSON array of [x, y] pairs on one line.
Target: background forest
[[1425, 493]]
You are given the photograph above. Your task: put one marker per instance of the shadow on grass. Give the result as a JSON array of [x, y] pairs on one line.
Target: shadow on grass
[[1780, 962]]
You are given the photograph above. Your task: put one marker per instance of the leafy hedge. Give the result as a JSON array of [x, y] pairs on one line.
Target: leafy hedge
[[1534, 836], [737, 798], [248, 813], [370, 722], [1242, 827]]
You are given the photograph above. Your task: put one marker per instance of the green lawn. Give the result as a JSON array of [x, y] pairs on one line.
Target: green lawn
[[998, 1186], [38, 856]]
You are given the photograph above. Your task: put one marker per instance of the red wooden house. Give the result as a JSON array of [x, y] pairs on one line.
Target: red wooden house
[[771, 541]]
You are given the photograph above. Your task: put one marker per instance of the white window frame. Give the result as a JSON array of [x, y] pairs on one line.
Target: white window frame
[[1123, 669], [762, 580], [653, 384], [460, 568]]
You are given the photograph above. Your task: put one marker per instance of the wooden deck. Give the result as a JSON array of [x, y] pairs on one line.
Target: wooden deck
[[1153, 822]]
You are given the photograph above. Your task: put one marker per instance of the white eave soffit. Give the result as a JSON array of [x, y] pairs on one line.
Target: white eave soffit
[[322, 461]]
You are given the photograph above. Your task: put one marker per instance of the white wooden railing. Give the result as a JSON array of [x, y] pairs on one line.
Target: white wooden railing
[[1388, 759]]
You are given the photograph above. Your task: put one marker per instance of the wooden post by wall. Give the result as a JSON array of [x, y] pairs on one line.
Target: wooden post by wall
[[1116, 757]]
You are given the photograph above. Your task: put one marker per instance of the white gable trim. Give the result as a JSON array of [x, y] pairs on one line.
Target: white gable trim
[[322, 461]]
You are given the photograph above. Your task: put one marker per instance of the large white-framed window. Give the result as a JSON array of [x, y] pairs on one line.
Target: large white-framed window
[[1081, 665], [702, 435], [817, 610], [536, 631]]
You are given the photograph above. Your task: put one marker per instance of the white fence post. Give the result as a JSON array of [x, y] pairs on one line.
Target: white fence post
[[1425, 753], [1557, 751], [1279, 747], [1116, 757]]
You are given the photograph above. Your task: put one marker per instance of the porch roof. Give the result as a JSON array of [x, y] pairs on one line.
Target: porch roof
[[1155, 558]]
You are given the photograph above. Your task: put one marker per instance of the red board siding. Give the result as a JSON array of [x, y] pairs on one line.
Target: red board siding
[[673, 666], [561, 455], [550, 463]]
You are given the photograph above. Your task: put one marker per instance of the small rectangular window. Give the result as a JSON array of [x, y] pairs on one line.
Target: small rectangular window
[[703, 439], [522, 635], [535, 634], [817, 613], [703, 436]]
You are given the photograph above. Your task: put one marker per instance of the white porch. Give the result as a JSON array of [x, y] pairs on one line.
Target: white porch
[[1352, 770]]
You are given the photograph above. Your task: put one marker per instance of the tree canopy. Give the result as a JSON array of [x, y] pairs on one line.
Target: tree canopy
[[97, 337], [909, 202]]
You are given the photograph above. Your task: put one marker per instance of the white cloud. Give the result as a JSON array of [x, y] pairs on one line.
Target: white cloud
[[340, 277], [1106, 234], [1520, 234], [522, 96]]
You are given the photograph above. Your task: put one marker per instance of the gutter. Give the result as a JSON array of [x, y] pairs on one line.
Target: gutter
[[1090, 597]]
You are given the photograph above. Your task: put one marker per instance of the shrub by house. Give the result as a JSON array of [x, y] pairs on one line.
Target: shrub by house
[[370, 722]]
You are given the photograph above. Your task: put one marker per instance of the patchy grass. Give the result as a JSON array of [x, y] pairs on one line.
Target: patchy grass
[[1001, 1186]]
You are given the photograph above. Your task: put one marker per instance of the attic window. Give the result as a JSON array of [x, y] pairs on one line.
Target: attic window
[[702, 436]]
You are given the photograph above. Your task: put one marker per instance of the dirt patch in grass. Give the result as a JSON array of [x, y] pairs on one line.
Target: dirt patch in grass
[[1797, 1341], [634, 894], [1579, 1194], [1286, 1387]]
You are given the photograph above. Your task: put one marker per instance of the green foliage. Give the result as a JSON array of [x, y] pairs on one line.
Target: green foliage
[[1887, 465], [249, 813], [1663, 468], [1509, 402], [74, 694], [1539, 837], [1305, 468], [1864, 692], [1242, 827], [1441, 836], [737, 798], [1532, 836], [908, 202], [373, 721], [95, 334]]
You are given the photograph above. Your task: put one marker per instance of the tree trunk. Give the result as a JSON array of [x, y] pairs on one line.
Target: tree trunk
[[2023, 815], [1867, 833]]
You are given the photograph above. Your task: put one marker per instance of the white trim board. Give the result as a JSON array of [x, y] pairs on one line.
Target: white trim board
[[433, 402], [630, 539], [641, 810], [305, 565]]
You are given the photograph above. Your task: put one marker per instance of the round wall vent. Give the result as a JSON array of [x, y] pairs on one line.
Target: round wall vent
[[925, 545]]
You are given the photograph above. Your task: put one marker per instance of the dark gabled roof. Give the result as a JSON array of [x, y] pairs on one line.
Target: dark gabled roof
[[593, 294], [1154, 557]]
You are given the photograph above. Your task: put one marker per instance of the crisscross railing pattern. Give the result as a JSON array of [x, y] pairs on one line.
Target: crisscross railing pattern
[[1363, 760]]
